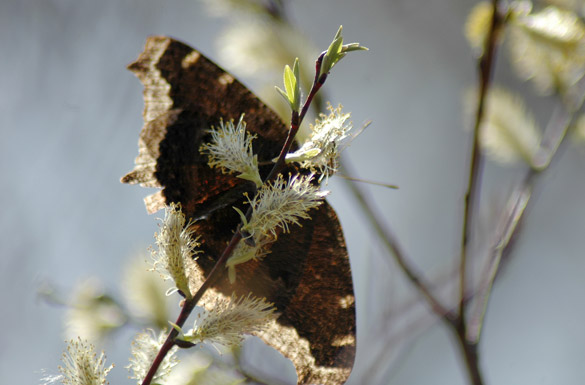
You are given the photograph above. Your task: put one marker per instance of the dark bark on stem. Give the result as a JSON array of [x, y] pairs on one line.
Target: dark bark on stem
[[486, 65], [469, 348], [469, 351]]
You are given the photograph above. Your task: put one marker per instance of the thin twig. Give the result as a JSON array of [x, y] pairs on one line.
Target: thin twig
[[297, 119], [472, 195], [189, 305], [392, 244], [469, 348], [555, 135]]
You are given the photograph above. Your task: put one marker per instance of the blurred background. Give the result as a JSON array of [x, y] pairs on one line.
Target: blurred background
[[70, 114]]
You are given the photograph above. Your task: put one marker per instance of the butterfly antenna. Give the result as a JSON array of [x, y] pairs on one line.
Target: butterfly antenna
[[381, 184]]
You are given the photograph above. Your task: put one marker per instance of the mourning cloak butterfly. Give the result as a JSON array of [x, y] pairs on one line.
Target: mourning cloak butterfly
[[307, 273]]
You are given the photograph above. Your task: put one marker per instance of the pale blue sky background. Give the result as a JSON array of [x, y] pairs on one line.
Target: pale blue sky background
[[69, 120]]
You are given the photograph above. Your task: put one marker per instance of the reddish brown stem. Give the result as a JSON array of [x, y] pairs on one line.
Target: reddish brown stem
[[189, 305], [297, 119]]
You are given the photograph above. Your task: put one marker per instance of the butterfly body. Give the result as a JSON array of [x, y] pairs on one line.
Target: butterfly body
[[306, 273]]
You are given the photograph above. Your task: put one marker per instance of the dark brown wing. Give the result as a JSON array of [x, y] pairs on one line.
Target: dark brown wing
[[307, 274], [184, 95]]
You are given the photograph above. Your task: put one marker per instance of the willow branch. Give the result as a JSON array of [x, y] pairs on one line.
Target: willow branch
[[486, 65], [549, 148], [219, 267]]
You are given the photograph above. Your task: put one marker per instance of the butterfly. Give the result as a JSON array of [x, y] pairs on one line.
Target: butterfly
[[307, 273]]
